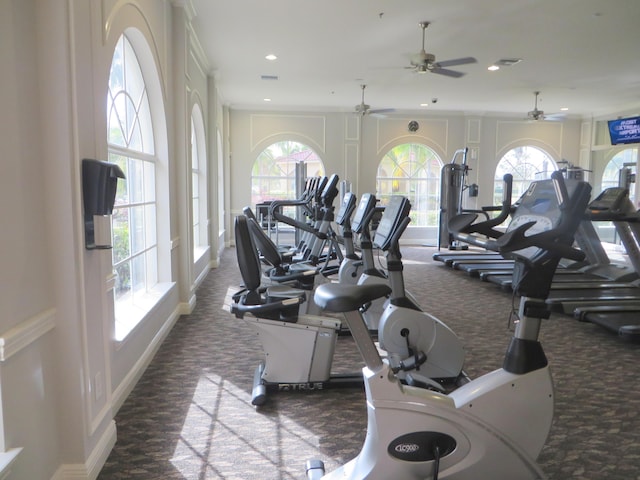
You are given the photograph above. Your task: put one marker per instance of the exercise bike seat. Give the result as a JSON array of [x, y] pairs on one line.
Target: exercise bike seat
[[336, 297]]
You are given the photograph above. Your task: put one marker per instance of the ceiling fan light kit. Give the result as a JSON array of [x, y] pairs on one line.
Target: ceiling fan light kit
[[363, 109], [537, 115], [425, 62]]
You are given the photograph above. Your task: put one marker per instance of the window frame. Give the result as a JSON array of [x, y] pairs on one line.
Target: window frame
[[132, 307], [293, 151], [520, 182], [199, 194], [424, 214]]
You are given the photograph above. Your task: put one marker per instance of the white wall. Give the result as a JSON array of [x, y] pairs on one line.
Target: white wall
[[353, 150], [62, 374]]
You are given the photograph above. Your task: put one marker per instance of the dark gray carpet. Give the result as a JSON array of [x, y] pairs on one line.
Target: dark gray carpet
[[190, 415]]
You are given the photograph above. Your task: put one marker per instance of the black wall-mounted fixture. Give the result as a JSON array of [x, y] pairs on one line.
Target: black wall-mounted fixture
[[99, 184]]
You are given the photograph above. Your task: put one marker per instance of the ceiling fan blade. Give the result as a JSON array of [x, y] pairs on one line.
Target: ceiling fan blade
[[456, 61], [448, 73], [555, 117], [383, 110]]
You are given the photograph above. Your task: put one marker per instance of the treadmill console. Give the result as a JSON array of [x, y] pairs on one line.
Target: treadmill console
[[395, 212], [611, 199]]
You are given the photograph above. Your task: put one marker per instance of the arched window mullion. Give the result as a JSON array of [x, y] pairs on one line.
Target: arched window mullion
[[412, 170], [526, 164], [273, 172]]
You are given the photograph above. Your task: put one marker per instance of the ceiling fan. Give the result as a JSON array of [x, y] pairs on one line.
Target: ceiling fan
[[364, 109], [424, 62], [537, 114]]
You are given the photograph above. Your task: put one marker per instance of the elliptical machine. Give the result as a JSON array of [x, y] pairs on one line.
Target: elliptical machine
[[478, 431]]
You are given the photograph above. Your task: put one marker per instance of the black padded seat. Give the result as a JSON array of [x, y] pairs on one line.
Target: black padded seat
[[335, 297]]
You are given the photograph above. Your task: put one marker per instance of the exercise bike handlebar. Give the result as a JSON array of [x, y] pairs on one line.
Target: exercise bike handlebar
[[239, 308], [297, 224]]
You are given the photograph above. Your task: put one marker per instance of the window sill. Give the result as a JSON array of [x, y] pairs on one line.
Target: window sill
[[131, 313], [6, 460], [199, 252]]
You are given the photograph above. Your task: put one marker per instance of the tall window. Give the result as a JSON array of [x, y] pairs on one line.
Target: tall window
[[611, 174], [220, 183], [198, 183], [131, 146], [412, 170], [526, 164], [274, 172]]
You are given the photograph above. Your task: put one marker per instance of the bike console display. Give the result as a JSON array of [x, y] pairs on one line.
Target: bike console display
[[367, 203], [394, 214]]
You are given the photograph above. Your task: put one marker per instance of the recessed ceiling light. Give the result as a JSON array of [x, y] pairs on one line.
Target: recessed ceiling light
[[267, 99], [424, 104], [564, 109], [493, 68], [271, 57]]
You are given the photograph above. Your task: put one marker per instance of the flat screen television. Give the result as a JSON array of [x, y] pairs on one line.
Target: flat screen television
[[624, 130]]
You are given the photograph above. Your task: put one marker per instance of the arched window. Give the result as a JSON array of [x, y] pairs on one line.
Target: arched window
[[130, 141], [273, 175], [611, 174], [412, 170], [526, 164], [198, 183]]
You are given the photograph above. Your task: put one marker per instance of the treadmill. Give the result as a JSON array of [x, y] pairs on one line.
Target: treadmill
[[622, 318], [598, 272]]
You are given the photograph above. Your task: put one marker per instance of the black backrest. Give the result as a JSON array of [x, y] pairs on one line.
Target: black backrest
[[247, 254], [264, 244]]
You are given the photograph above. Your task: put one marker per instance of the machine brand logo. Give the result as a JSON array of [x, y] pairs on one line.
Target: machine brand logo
[[419, 446], [287, 387], [407, 447]]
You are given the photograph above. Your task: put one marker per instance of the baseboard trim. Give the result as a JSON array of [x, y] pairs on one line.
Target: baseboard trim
[[91, 468], [186, 308]]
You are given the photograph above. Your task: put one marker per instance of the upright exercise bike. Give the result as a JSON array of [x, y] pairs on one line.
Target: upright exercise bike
[[496, 425]]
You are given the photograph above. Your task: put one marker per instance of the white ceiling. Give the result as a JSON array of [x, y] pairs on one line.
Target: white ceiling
[[580, 54]]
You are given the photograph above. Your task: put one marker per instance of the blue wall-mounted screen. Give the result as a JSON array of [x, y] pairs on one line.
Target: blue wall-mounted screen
[[625, 130]]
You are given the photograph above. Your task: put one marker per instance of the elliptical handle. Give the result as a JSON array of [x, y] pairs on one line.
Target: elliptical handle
[[508, 191]]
